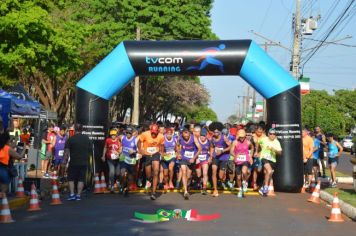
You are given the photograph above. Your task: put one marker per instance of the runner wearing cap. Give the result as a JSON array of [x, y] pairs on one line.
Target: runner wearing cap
[[129, 151], [270, 148], [205, 157], [151, 147], [197, 180], [257, 164], [240, 150], [111, 155], [188, 151], [221, 153], [169, 157]]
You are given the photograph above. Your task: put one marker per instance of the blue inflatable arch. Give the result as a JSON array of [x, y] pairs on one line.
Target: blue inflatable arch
[[216, 58]]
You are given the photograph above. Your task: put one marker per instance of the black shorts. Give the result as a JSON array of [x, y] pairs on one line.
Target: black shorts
[[77, 173], [188, 164], [147, 160], [333, 161], [124, 167], [315, 163], [308, 167], [264, 162], [221, 164], [239, 167]]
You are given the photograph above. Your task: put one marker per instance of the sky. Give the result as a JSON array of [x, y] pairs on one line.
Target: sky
[[333, 67]]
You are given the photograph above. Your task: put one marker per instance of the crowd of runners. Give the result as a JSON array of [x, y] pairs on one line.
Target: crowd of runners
[[208, 155]]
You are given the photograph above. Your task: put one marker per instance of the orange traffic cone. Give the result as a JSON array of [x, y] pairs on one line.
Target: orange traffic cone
[[271, 192], [5, 214], [303, 189], [34, 204], [103, 183], [97, 186], [20, 192], [315, 197], [55, 194], [335, 210]]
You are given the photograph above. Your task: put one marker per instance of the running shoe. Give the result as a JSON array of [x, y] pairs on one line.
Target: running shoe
[[263, 191], [178, 185], [112, 189], [46, 175], [148, 185], [215, 194], [240, 194], [71, 197], [186, 196], [244, 186], [231, 185], [126, 192], [78, 198], [333, 184], [223, 186], [139, 182], [204, 192], [171, 186], [153, 196]]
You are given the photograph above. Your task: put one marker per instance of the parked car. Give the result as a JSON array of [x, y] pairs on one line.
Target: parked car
[[347, 143]]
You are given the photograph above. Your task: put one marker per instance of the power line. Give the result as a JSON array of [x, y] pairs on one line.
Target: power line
[[264, 18]]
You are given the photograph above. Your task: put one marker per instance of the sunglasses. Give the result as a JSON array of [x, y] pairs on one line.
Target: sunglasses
[[272, 133]]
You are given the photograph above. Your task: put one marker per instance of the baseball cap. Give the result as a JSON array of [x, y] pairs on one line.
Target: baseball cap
[[271, 131], [129, 130], [154, 129], [113, 132]]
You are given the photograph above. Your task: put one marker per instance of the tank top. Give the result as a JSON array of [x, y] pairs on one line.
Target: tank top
[[204, 154], [59, 146], [188, 148], [242, 153], [169, 148], [112, 147], [220, 145], [127, 145], [332, 150], [4, 155]]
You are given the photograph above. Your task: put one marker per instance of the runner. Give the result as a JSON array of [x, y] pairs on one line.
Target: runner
[[188, 151], [240, 150], [270, 148], [334, 151], [127, 168], [111, 155], [59, 143], [319, 135], [221, 153], [151, 147], [257, 164], [316, 149], [196, 179], [169, 157], [48, 139], [205, 157], [308, 148]]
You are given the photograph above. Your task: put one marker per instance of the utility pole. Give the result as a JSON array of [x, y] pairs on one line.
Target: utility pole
[[296, 41], [136, 97]]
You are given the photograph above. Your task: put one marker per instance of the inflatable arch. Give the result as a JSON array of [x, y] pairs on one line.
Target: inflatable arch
[[216, 58]]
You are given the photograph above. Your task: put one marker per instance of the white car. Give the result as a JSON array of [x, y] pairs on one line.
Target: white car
[[347, 143]]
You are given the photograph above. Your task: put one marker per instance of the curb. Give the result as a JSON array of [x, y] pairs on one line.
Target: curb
[[343, 180], [346, 208], [18, 202]]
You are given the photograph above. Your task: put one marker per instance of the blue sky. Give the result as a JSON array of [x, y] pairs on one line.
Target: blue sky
[[331, 68]]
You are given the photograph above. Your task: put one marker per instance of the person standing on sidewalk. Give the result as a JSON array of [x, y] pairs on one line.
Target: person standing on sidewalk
[[77, 148], [334, 151], [319, 135], [308, 148]]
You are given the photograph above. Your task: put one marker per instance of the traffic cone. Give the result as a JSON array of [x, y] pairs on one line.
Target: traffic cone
[[56, 200], [335, 210], [20, 192], [103, 183], [315, 197], [34, 204], [5, 214], [303, 189], [271, 192], [312, 187], [97, 185]]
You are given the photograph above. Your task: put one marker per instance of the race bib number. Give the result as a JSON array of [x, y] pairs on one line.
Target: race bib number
[[114, 156], [126, 149], [188, 154], [130, 161], [218, 149], [171, 153], [241, 157], [268, 157], [202, 157], [151, 150], [61, 153]]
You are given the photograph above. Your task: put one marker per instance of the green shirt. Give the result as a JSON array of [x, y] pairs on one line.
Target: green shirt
[[265, 144]]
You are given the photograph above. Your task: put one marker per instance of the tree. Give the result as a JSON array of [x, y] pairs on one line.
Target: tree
[[202, 113]]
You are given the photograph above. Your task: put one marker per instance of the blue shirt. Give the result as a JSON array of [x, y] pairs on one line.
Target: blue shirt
[[316, 152]]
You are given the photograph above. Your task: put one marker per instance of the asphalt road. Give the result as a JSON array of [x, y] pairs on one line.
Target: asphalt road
[[345, 165], [285, 214]]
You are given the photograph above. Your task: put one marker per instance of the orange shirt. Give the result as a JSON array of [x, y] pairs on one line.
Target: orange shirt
[[308, 146], [149, 144], [25, 138], [5, 155]]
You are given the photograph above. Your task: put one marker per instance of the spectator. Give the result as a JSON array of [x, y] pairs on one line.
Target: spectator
[[78, 149]]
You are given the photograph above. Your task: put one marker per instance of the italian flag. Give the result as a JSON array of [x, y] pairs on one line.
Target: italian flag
[[304, 85]]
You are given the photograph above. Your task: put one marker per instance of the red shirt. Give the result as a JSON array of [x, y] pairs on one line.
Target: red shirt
[[50, 138], [112, 148]]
